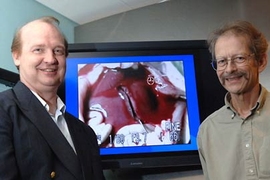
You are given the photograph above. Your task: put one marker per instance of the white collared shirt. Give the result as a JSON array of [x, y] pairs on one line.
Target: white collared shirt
[[58, 117]]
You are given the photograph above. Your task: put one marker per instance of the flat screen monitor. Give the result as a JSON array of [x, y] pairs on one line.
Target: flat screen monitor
[[144, 100], [7, 79]]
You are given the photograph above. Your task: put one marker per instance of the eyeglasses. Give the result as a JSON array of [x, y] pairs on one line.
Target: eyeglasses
[[239, 60]]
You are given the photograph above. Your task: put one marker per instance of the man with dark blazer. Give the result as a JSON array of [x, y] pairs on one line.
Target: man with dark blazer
[[32, 144]]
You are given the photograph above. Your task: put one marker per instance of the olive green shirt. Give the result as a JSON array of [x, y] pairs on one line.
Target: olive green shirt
[[232, 148]]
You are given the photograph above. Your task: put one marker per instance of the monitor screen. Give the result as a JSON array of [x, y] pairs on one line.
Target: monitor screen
[[141, 98]]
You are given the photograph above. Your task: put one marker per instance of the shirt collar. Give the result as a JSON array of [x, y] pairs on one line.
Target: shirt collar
[[258, 105], [60, 104]]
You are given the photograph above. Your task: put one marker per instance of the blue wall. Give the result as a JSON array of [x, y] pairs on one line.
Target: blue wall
[[15, 13]]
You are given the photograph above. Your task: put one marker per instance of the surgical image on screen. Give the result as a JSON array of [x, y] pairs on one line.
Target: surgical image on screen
[[134, 103]]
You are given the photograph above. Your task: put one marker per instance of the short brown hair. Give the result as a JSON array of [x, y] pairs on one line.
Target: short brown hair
[[16, 45], [258, 43]]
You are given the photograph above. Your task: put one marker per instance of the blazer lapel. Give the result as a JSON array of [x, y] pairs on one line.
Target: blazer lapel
[[47, 128]]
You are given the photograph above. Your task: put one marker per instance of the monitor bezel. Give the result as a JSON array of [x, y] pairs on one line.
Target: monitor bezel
[[202, 67]]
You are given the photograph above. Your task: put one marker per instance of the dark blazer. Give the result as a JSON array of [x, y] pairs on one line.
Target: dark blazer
[[33, 148]]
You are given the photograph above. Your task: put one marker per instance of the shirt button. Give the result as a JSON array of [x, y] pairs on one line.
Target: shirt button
[[251, 171], [247, 145]]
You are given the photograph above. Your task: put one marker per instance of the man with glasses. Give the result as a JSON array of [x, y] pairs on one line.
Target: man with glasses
[[234, 141]]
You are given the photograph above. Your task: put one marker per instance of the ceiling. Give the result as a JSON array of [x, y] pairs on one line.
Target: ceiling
[[84, 11]]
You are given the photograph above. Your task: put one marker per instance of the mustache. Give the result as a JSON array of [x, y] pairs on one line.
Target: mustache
[[233, 75]]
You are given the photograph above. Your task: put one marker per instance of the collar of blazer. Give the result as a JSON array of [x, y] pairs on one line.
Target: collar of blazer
[[33, 109]]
